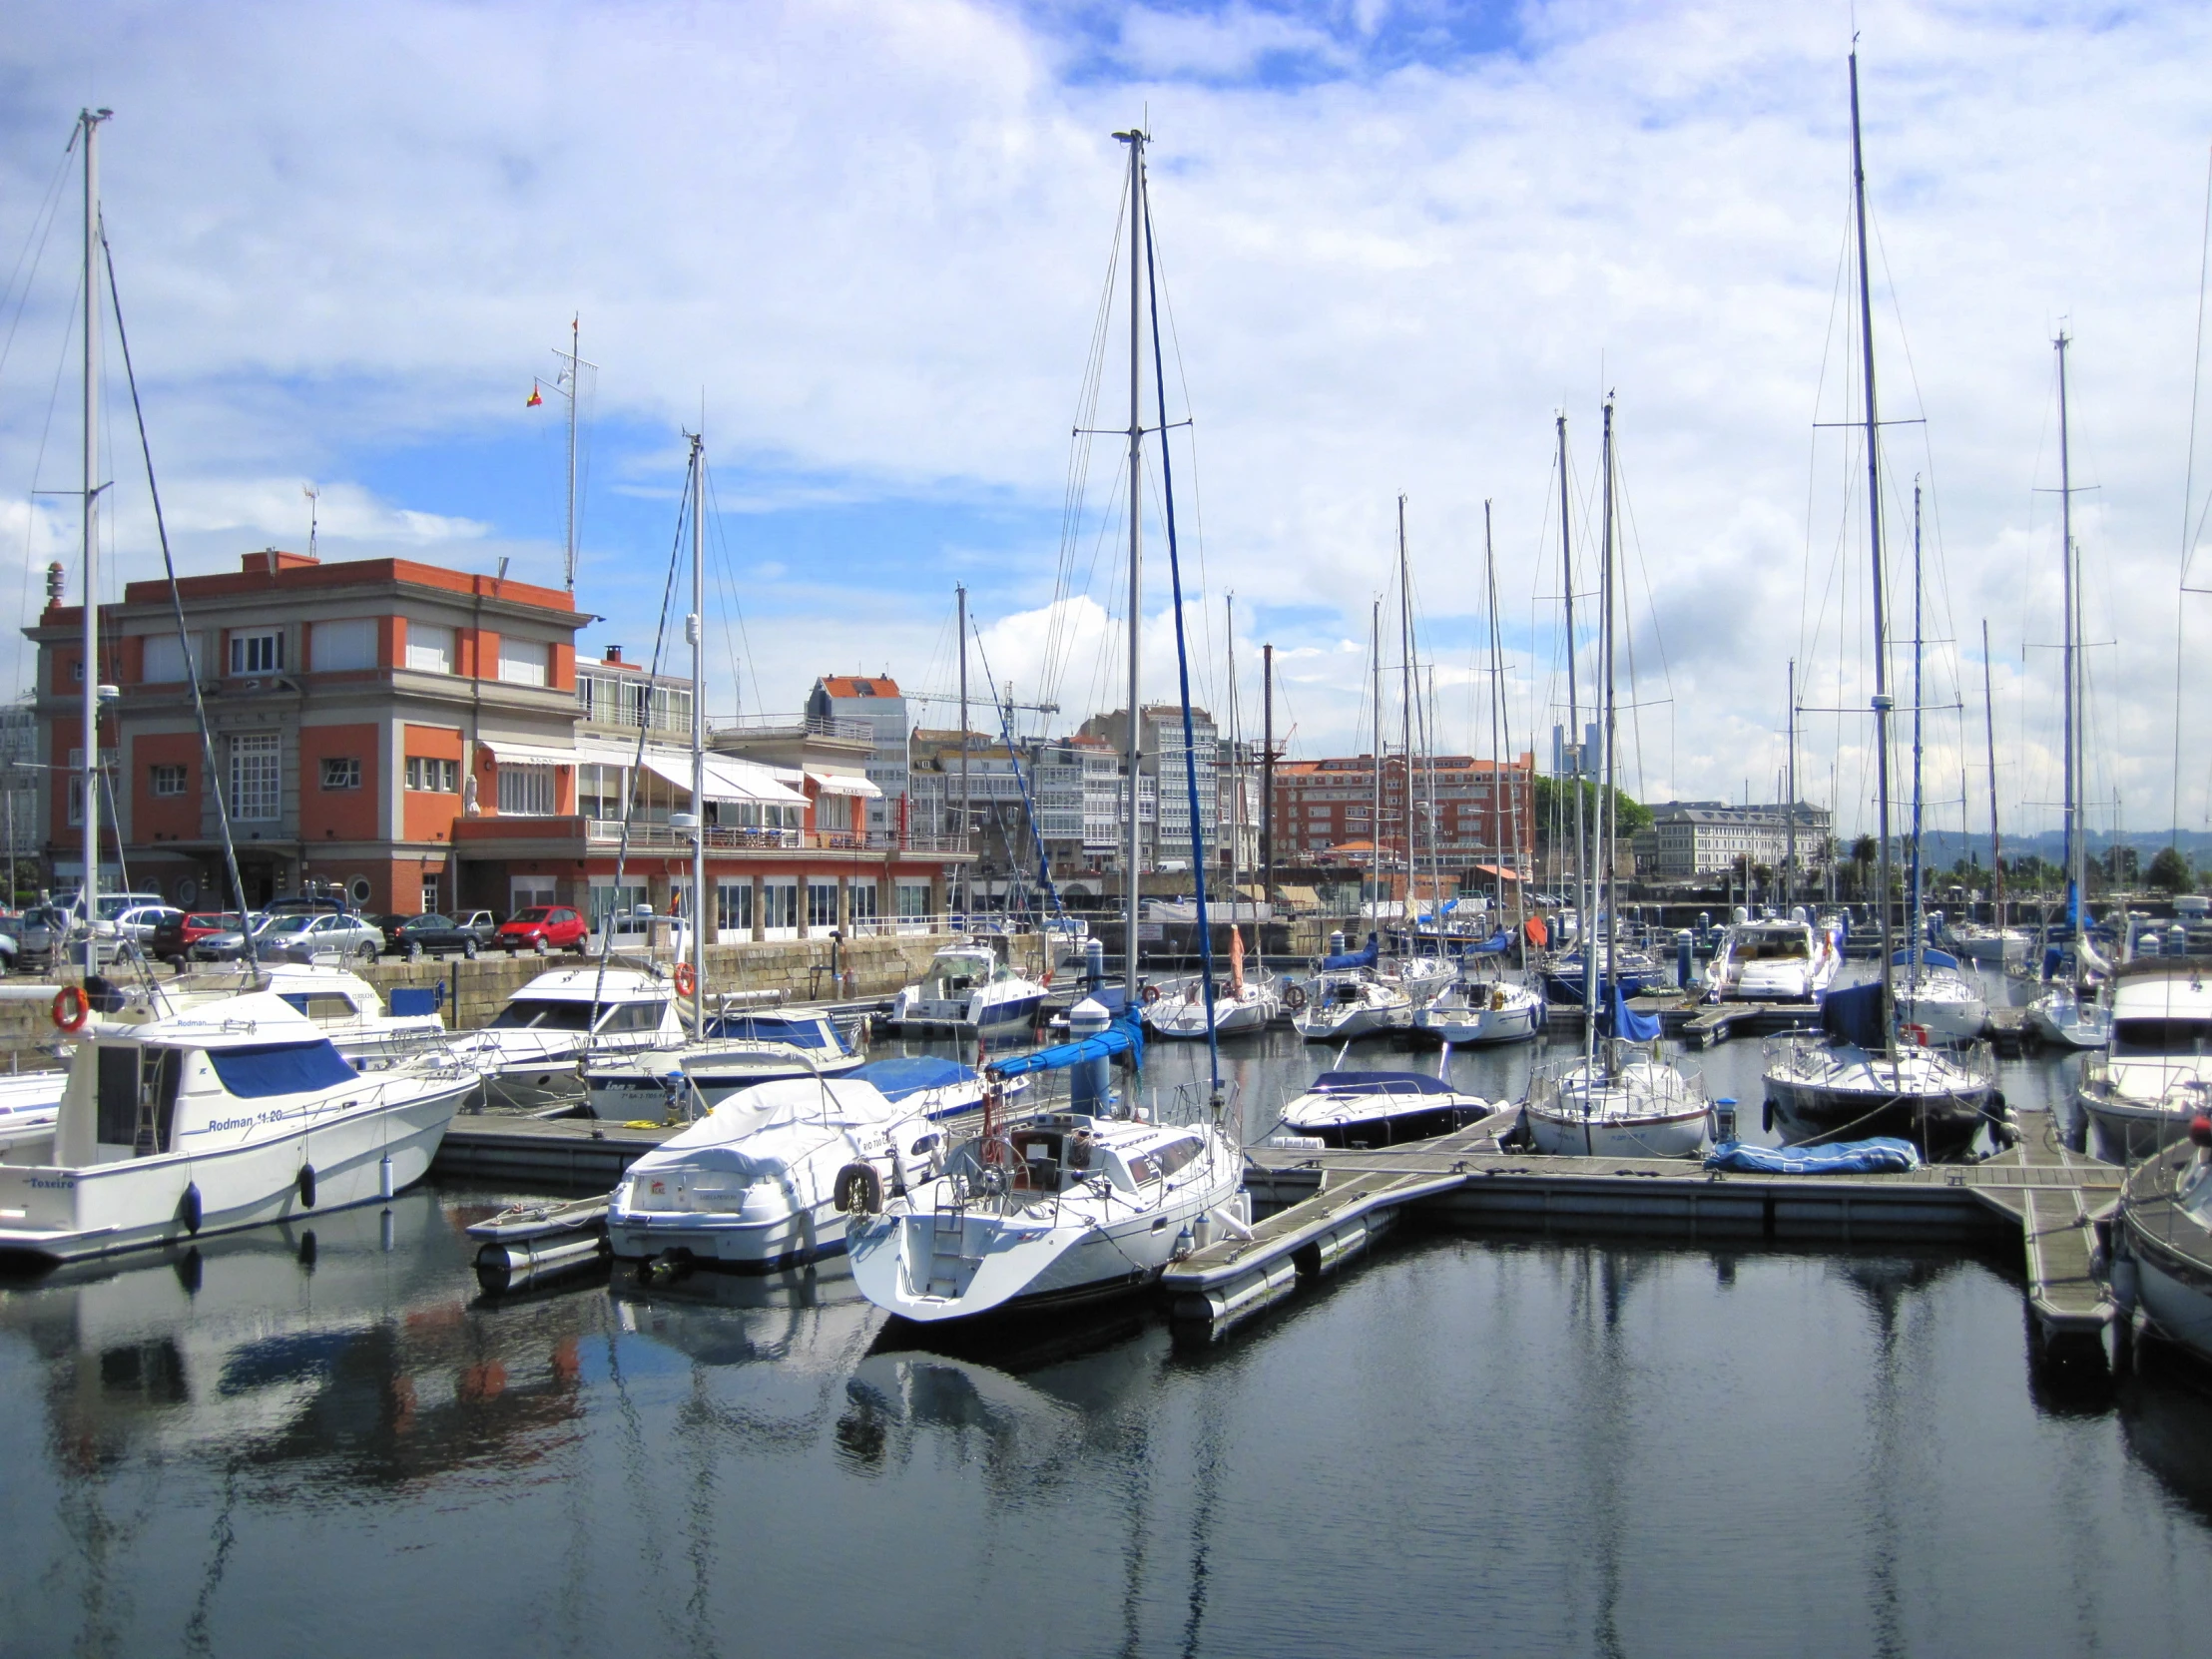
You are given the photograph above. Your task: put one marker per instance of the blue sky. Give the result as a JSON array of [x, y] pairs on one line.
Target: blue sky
[[868, 242]]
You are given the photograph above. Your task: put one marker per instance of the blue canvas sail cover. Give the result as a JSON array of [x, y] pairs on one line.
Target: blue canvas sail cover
[[1353, 958], [906, 1074], [1492, 946], [1870, 1157], [1854, 1014], [1930, 957], [1620, 1020], [1121, 1037]]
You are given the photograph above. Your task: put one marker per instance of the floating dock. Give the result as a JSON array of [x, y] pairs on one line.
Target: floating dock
[[1327, 1206], [557, 1154]]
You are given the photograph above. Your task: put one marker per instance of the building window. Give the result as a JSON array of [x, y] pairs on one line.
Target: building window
[[733, 908], [166, 780], [834, 812], [259, 653], [430, 647], [341, 772], [861, 897], [913, 900], [257, 778], [779, 906], [599, 790], [427, 773], [336, 646], [522, 663], [164, 661], [525, 791], [821, 904]]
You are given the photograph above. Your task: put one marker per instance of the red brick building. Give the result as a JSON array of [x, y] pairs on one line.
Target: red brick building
[[1485, 811]]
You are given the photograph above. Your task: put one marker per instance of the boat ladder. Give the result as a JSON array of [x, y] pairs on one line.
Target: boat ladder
[[947, 1253]]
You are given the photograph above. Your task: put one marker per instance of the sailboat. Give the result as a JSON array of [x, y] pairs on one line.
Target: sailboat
[[1420, 974], [1072, 1205], [2071, 1010], [1866, 1083], [1990, 943], [1621, 1098]]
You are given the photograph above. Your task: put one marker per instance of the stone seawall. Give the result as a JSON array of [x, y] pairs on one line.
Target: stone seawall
[[795, 970]]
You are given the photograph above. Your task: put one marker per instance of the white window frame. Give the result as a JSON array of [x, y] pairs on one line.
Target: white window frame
[[258, 652], [816, 888], [733, 911], [160, 773], [342, 780], [343, 643], [434, 774], [257, 778], [164, 661], [529, 789], [779, 908]]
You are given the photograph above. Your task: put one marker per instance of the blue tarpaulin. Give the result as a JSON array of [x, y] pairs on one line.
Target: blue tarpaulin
[[1624, 1022], [1492, 946], [1854, 1014], [1122, 1037], [412, 999], [771, 1028], [1930, 957], [1352, 958], [906, 1074], [280, 1068], [1841, 1158]]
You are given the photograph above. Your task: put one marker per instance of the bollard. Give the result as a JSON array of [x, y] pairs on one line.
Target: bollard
[[1094, 964], [1089, 1085], [1336, 943], [1682, 957]]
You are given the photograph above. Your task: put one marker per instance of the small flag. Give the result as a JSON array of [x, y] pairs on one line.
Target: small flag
[[535, 400]]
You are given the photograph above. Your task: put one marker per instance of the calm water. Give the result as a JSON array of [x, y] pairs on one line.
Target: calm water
[[1464, 1445]]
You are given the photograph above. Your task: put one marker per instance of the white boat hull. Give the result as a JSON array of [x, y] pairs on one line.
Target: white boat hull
[[1570, 1135], [1516, 1019]]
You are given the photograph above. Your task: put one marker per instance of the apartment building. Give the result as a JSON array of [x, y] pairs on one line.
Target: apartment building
[[1692, 839], [1484, 810], [877, 703]]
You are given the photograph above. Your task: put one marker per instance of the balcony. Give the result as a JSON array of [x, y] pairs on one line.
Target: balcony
[[793, 726], [604, 835]]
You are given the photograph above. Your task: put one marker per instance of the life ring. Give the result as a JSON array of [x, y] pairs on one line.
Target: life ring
[[686, 981], [1294, 998], [1151, 994], [71, 1008], [859, 1190]]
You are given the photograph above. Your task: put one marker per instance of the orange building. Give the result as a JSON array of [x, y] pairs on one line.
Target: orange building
[[1485, 811]]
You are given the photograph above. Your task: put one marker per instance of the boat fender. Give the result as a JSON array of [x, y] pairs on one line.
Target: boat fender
[[307, 1186], [1766, 1114], [1151, 994], [687, 980], [859, 1190], [71, 1008], [188, 1208], [1294, 998]]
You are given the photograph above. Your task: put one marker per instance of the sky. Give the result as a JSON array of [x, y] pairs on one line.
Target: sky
[[864, 248]]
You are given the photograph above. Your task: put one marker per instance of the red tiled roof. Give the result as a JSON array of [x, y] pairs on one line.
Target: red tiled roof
[[858, 685]]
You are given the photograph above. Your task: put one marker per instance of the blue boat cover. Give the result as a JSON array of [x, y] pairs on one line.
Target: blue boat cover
[[804, 1032], [1353, 958], [1854, 1014], [1839, 1158], [1490, 947], [906, 1074], [410, 999], [280, 1068], [1930, 957], [1379, 1082], [1122, 1037], [1624, 1022]]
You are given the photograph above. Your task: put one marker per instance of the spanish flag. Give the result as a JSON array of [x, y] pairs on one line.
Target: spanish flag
[[534, 399]]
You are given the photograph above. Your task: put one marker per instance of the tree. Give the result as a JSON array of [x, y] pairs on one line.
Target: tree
[[2169, 871]]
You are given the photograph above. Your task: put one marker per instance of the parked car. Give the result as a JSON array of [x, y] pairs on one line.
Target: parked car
[[429, 935], [298, 935], [484, 924], [133, 930], [547, 926], [172, 941]]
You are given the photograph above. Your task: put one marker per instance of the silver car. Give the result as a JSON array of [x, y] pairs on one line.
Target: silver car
[[301, 936]]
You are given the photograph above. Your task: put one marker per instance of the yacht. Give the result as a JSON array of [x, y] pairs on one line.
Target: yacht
[[213, 1118], [1987, 947], [1055, 1210], [2141, 1095], [1637, 971], [967, 988], [1856, 1081], [2166, 1229], [739, 1051], [1336, 1006], [1620, 1098], [766, 1179], [1773, 961], [530, 1054], [2068, 1017], [1475, 1012], [1180, 1010], [932, 1086], [1932, 995], [1382, 1108]]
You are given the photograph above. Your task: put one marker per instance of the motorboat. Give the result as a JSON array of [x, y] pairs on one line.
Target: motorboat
[[1475, 1012], [2069, 1017], [530, 1054], [767, 1178], [1772, 960], [1934, 997], [1621, 1097], [29, 1101], [2166, 1231], [1382, 1108], [969, 988], [1637, 972], [2142, 1093], [1856, 1080], [217, 1116], [1050, 1211], [739, 1051], [1336, 1008]]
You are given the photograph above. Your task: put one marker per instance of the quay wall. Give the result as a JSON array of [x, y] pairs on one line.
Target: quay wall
[[795, 970]]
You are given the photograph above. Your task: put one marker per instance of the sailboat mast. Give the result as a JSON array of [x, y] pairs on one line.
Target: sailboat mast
[[1575, 708], [1883, 702], [1266, 771], [1405, 720], [1375, 778], [1235, 775], [88, 125], [1496, 812], [1989, 741], [2076, 851], [1133, 750], [695, 626], [575, 389], [968, 812], [1789, 855], [1914, 900], [1600, 883]]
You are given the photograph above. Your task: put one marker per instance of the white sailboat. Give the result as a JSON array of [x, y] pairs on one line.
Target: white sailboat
[[1342, 1003], [1866, 1083], [1621, 1098]]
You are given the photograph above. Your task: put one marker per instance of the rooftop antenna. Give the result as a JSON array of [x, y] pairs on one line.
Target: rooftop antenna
[[315, 501]]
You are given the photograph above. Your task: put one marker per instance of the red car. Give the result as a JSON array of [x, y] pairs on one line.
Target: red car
[[550, 926], [175, 935]]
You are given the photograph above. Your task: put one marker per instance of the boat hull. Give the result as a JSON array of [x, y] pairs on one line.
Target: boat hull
[[1516, 1022], [810, 1235], [1360, 1022], [2126, 1131], [1391, 1128], [1564, 1133], [1938, 1123], [101, 1209]]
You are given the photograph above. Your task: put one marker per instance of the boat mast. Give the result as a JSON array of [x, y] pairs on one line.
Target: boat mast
[[968, 812], [1601, 883], [1914, 906], [1133, 750], [1375, 778], [576, 366], [2076, 851], [1574, 714], [1498, 712], [1405, 719], [1989, 741], [1883, 702], [88, 127], [1267, 774], [1235, 776], [1789, 856], [695, 626]]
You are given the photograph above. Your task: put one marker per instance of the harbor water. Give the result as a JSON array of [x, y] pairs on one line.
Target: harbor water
[[327, 1440]]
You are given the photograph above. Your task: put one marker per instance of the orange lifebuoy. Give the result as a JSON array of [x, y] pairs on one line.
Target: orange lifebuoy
[[1151, 993], [71, 1008], [686, 980]]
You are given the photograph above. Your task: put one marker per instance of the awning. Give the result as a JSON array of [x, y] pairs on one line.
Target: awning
[[843, 783], [530, 754], [726, 780], [1501, 874]]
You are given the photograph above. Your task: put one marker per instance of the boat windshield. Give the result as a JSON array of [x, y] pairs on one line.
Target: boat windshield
[[277, 926], [2161, 1036], [1770, 947], [537, 1014]]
